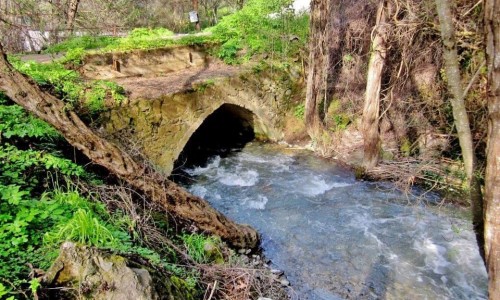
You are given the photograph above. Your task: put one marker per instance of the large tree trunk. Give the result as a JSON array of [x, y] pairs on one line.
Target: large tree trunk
[[460, 117], [492, 189], [172, 198], [317, 59], [326, 30], [371, 109], [72, 9]]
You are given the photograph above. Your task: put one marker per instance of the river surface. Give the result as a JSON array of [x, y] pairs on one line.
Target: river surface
[[339, 238]]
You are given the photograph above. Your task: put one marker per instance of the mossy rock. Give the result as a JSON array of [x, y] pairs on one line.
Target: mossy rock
[[95, 274]]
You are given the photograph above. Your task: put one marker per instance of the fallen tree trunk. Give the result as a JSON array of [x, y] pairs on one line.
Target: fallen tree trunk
[[167, 194]]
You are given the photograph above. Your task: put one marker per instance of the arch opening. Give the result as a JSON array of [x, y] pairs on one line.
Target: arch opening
[[228, 128]]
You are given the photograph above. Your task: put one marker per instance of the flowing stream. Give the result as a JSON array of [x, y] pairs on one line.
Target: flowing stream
[[339, 238]]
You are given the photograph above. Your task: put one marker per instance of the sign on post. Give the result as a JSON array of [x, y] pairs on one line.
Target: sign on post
[[193, 16]]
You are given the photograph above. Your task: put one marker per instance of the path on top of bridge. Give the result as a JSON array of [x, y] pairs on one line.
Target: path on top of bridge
[[155, 86], [171, 83]]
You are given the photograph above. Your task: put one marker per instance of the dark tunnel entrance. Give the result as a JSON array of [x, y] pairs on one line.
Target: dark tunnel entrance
[[227, 128]]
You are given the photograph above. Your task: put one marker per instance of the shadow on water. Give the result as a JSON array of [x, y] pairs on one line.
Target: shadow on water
[[227, 129], [377, 281]]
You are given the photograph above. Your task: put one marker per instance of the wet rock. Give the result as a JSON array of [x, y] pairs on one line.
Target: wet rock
[[94, 274], [277, 272], [284, 282], [245, 259]]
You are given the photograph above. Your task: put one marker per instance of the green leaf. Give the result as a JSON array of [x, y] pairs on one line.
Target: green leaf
[[12, 194]]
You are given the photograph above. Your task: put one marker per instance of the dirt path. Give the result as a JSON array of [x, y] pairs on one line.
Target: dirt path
[[154, 87]]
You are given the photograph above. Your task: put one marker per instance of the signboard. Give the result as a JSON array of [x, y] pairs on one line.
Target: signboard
[[193, 16]]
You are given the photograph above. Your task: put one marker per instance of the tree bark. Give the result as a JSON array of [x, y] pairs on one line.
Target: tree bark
[[371, 110], [165, 193], [324, 52], [461, 118], [72, 10], [317, 58], [492, 188]]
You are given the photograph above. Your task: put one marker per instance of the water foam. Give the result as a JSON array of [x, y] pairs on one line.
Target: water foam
[[259, 203], [213, 164], [198, 190], [434, 255], [278, 163], [240, 178], [316, 186]]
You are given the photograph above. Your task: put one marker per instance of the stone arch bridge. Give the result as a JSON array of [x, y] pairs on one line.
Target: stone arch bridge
[[179, 93]]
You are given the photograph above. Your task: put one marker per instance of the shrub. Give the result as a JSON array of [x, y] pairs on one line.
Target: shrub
[[70, 87], [261, 26]]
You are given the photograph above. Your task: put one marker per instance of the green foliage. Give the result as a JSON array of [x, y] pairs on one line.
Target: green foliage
[[4, 291], [138, 38], [65, 82], [340, 121], [31, 226], [260, 27], [141, 38], [406, 147], [40, 208], [27, 168], [17, 123], [99, 91], [149, 33], [82, 42], [196, 246], [299, 111], [90, 223], [85, 228], [34, 285], [74, 56], [89, 96], [229, 50], [3, 99], [202, 86], [22, 223]]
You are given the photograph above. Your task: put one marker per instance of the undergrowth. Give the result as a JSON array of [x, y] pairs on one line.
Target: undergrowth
[[88, 97], [261, 26], [42, 205], [137, 38]]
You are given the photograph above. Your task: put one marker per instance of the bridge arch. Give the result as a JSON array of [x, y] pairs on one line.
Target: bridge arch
[[161, 126], [216, 132]]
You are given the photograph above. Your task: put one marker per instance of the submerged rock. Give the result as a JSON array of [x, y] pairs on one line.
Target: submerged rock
[[98, 275]]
